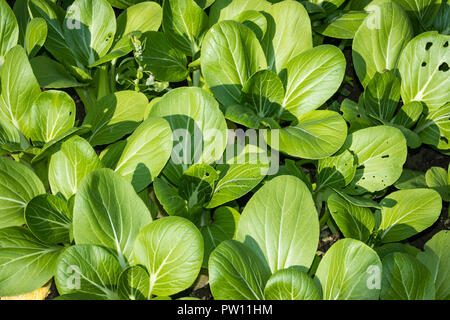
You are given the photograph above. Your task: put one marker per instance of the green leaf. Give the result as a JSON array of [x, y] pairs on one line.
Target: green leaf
[[68, 166], [164, 61], [359, 201], [55, 43], [17, 76], [381, 96], [280, 224], [424, 70], [115, 116], [291, 284], [183, 23], [350, 270], [352, 113], [436, 257], [198, 126], [442, 21], [336, 171], [231, 54], [413, 140], [112, 153], [52, 114], [9, 29], [134, 21], [380, 152], [437, 179], [392, 247], [123, 4], [317, 135], [108, 212], [197, 183], [49, 219], [20, 9], [434, 129], [26, 263], [11, 139], [204, 3], [408, 114], [354, 221], [405, 278], [51, 74], [243, 115], [255, 20], [89, 28], [405, 213], [142, 17], [228, 10], [264, 92], [35, 36], [342, 24], [236, 181], [146, 153], [18, 185], [88, 270], [239, 175], [171, 249], [411, 179], [288, 34], [329, 6], [222, 227], [134, 284], [53, 146], [421, 13], [237, 273], [380, 40], [170, 199], [312, 78]]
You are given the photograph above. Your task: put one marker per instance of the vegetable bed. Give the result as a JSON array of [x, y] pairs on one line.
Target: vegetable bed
[[225, 149]]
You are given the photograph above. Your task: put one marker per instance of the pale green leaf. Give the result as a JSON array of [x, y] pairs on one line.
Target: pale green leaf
[[49, 219], [350, 270], [436, 257], [26, 263], [115, 116], [423, 66], [89, 28], [231, 54], [52, 114], [35, 36], [18, 185], [146, 152], [70, 164], [171, 249], [380, 152], [237, 273], [380, 40], [183, 23], [291, 284], [354, 222], [317, 135], [88, 270], [108, 212], [405, 278], [288, 34], [312, 78], [405, 213], [280, 224]]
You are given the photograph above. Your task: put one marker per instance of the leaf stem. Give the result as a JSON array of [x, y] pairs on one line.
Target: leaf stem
[[196, 78]]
